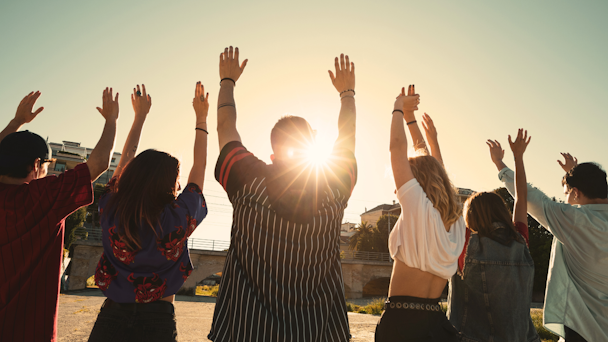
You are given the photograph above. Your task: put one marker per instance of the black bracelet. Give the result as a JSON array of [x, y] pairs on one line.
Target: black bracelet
[[347, 90], [398, 110], [223, 79], [411, 122], [201, 129]]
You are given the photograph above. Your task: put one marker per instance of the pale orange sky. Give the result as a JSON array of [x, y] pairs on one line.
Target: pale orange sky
[[482, 70]]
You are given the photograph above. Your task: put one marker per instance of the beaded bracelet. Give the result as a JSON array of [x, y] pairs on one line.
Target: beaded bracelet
[[347, 90], [398, 110], [201, 129], [411, 122]]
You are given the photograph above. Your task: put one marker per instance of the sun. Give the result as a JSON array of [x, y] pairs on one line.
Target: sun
[[318, 152]]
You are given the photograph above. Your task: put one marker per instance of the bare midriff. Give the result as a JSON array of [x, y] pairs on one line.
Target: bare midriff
[[169, 299], [408, 281]]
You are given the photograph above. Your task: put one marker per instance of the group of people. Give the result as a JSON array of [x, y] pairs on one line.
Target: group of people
[[282, 279]]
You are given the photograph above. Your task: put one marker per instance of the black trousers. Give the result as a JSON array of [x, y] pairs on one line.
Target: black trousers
[[153, 322], [398, 325], [573, 336]]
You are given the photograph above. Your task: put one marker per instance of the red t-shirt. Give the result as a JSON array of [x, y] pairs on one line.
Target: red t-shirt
[[31, 245], [521, 227]]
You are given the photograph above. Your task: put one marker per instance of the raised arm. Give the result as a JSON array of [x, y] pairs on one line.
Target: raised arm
[[520, 208], [99, 161], [201, 109], [24, 114], [496, 154], [230, 71], [142, 102], [431, 137], [402, 171], [412, 123], [344, 81], [569, 162]]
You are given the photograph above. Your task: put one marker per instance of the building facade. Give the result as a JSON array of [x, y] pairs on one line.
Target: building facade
[[68, 154]]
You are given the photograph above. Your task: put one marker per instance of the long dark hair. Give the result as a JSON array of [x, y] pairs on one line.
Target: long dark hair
[[485, 212], [145, 187]]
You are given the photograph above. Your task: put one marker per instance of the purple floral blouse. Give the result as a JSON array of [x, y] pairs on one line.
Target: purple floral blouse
[[162, 265]]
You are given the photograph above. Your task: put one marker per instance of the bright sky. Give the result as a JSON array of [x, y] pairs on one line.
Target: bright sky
[[483, 69]]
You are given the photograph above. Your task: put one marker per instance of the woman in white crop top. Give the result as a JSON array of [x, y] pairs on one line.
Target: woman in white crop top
[[428, 237]]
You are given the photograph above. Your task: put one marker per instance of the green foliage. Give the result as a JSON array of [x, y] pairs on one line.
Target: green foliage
[[543, 333], [368, 238], [92, 209], [374, 308], [206, 290], [72, 225], [540, 244]]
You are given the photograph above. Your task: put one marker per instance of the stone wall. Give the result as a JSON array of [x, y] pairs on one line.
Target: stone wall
[[361, 278]]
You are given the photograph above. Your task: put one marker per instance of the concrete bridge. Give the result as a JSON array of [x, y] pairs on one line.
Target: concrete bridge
[[362, 278]]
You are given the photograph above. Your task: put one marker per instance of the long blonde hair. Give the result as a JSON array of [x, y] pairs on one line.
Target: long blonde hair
[[436, 184]]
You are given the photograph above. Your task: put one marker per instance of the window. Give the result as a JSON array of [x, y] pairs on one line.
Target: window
[[113, 160], [60, 167]]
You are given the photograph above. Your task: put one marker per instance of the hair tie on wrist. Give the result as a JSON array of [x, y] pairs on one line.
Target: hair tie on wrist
[[398, 110], [411, 122], [200, 129], [223, 79], [347, 90]]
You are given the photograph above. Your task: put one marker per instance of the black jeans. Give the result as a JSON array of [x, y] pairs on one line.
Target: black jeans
[[573, 336], [153, 322], [398, 325]]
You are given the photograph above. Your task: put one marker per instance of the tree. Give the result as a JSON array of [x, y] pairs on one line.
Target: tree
[[72, 225], [540, 243], [368, 238], [384, 225], [92, 210]]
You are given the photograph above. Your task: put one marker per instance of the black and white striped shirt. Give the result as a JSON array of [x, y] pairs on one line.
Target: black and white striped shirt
[[282, 280]]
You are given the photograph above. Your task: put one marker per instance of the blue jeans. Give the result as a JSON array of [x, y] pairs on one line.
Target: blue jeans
[[153, 322]]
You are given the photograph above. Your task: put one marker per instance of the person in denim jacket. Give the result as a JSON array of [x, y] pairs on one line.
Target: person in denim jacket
[[490, 297]]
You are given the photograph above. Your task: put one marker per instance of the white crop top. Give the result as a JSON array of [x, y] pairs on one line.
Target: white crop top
[[419, 238]]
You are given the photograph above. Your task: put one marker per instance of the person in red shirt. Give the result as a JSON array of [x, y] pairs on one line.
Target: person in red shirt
[[33, 208]]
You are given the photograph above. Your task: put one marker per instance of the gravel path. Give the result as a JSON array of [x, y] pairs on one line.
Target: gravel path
[[78, 311]]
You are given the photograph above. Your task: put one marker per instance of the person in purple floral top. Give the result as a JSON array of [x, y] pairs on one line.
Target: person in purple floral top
[[145, 230]]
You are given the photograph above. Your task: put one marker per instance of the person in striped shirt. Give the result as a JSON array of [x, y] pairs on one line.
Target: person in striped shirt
[[32, 214], [282, 280]]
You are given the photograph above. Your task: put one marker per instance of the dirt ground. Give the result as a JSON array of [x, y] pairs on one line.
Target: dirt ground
[[78, 311]]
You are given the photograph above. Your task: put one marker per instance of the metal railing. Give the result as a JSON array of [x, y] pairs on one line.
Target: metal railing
[[94, 234], [367, 256]]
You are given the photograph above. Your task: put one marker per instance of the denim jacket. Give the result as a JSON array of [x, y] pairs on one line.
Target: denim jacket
[[491, 301]]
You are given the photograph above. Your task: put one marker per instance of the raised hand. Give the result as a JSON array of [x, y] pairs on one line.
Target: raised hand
[[24, 110], [344, 79], [407, 103], [521, 142], [569, 163], [110, 106], [429, 128], [200, 103], [496, 151], [141, 101], [229, 64]]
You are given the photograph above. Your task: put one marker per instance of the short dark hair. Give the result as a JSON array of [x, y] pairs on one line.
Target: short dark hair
[[20, 170], [292, 129], [588, 178]]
